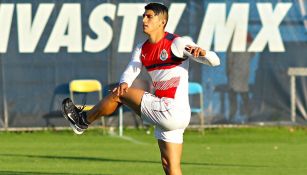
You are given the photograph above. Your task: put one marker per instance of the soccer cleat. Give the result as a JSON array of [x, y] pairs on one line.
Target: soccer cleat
[[74, 116]]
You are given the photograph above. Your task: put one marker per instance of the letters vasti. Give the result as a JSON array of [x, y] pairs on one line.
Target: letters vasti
[[217, 28]]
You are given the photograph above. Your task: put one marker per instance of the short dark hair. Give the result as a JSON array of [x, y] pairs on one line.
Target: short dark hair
[[158, 8]]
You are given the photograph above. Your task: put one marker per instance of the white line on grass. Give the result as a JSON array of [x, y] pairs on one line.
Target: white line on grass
[[130, 139]]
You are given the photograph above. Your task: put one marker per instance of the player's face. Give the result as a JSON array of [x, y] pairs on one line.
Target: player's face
[[152, 22]]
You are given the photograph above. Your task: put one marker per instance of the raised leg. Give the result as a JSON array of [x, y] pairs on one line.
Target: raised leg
[[108, 105]]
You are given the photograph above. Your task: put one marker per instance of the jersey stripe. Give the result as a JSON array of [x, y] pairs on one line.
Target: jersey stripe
[[162, 66], [170, 93]]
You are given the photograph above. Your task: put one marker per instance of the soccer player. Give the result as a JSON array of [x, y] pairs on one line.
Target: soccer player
[[166, 58]]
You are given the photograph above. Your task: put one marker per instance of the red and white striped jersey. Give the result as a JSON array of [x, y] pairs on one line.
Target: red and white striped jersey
[[169, 73]]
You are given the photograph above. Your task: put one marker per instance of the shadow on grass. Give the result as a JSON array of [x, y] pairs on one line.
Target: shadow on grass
[[38, 173], [130, 161]]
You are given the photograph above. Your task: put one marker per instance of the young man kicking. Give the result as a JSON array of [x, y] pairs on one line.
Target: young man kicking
[[166, 58]]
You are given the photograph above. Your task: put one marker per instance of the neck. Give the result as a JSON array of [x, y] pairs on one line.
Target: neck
[[156, 37]]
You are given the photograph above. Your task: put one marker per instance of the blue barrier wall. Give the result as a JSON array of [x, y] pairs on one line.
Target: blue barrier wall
[[45, 44]]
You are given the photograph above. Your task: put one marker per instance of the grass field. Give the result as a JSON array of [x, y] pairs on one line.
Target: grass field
[[223, 151]]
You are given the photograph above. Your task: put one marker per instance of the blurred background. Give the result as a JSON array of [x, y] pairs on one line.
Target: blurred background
[[46, 44]]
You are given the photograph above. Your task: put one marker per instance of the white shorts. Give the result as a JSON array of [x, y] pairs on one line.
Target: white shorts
[[170, 121]]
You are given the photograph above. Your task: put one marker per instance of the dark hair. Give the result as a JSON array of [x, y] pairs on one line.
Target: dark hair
[[158, 8]]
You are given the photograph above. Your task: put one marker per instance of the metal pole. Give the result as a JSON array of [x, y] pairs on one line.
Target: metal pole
[[1, 119], [5, 112], [6, 118], [293, 114], [120, 121]]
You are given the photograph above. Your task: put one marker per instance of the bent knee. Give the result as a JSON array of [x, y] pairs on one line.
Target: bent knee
[[115, 97]]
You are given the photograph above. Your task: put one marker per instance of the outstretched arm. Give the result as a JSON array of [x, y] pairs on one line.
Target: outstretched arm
[[184, 48], [199, 55]]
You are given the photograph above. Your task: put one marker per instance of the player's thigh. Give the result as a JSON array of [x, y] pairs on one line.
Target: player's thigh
[[133, 99], [170, 152]]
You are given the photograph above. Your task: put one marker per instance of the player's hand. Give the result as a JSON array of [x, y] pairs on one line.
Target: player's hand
[[121, 89], [195, 51]]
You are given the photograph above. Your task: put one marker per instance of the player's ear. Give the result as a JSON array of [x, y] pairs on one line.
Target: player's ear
[[164, 22]]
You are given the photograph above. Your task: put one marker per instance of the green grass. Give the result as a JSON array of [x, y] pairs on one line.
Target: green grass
[[224, 151]]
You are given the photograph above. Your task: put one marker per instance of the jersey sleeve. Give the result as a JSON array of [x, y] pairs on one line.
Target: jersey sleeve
[[134, 67], [179, 44]]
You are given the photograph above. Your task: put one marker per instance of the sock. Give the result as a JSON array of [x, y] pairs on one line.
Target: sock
[[84, 118]]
